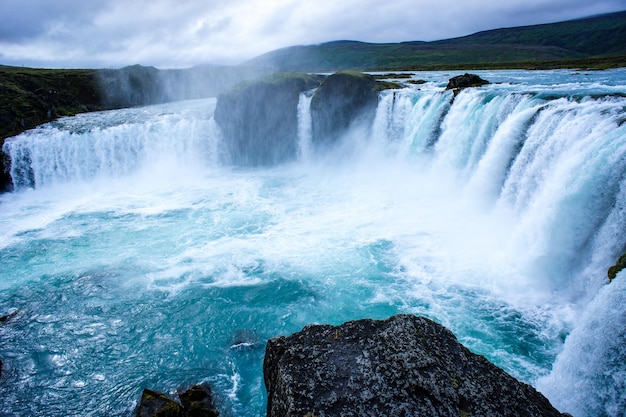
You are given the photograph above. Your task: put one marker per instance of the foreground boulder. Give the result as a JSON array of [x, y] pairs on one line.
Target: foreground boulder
[[403, 366], [156, 404], [343, 99], [196, 401], [259, 119]]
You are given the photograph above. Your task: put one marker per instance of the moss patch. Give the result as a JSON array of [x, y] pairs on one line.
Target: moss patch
[[615, 269]]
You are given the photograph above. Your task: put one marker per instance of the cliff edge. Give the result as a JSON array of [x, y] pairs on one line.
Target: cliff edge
[[403, 366]]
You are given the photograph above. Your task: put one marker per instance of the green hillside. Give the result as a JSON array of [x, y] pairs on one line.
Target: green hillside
[[595, 42]]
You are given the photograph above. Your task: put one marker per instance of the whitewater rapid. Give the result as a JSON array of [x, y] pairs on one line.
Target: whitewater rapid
[[135, 256]]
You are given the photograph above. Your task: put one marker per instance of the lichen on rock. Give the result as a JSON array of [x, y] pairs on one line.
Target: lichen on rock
[[156, 404], [403, 366]]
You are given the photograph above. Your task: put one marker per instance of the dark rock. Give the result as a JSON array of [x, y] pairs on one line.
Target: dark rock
[[259, 119], [343, 99], [6, 183], [197, 401], [244, 338], [615, 269], [464, 81], [1, 364], [6, 317], [156, 404], [403, 366]]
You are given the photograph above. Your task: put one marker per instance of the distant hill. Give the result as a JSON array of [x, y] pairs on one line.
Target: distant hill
[[595, 42]]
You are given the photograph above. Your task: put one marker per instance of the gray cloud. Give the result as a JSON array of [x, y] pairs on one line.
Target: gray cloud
[[23, 19], [180, 33]]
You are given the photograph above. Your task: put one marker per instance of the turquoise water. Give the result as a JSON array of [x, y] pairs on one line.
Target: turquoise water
[[135, 257]]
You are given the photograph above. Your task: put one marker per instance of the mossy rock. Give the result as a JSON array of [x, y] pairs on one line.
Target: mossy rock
[[387, 85], [196, 401], [156, 404], [615, 269]]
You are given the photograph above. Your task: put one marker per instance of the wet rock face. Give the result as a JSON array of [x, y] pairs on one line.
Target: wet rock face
[[403, 366], [343, 99], [259, 120]]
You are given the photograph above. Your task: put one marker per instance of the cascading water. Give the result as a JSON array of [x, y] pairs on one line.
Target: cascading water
[[114, 144], [134, 256], [304, 126]]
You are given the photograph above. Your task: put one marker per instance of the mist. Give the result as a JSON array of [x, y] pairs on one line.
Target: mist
[[138, 85]]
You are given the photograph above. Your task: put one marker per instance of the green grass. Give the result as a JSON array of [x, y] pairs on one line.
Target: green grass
[[31, 96]]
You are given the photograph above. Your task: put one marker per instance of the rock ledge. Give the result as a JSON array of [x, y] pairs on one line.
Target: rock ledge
[[403, 366]]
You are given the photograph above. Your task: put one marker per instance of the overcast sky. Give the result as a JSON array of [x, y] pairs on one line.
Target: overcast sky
[[183, 33]]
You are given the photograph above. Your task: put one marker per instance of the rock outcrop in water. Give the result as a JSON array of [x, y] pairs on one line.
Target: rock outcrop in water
[[465, 81], [343, 99], [460, 82], [615, 269], [403, 366], [259, 120], [197, 401]]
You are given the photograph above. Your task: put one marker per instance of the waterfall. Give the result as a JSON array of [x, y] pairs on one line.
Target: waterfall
[[535, 173], [559, 165], [304, 125], [412, 120], [114, 145], [589, 376], [557, 162]]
